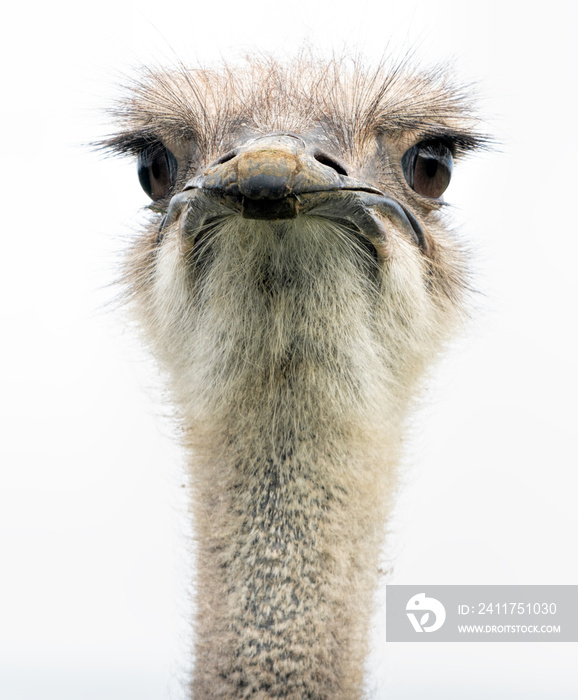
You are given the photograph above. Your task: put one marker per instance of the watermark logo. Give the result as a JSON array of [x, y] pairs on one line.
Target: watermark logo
[[419, 610], [473, 613]]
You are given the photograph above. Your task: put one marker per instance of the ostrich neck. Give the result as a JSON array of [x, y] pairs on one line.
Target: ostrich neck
[[287, 554], [289, 535], [293, 428]]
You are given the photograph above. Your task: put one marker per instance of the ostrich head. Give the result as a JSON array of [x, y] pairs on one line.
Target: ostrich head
[[295, 280]]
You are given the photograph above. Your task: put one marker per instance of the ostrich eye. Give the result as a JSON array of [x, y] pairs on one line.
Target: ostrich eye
[[157, 171], [427, 167]]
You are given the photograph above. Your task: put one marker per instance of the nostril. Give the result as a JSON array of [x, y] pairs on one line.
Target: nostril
[[223, 159], [324, 159]]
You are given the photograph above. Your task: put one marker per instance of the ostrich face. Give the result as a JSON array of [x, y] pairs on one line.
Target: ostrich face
[[297, 219]]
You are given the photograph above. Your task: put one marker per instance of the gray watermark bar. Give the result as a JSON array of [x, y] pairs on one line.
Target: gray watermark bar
[[481, 613]]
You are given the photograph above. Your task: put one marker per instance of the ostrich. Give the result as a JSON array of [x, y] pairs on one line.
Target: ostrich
[[295, 281]]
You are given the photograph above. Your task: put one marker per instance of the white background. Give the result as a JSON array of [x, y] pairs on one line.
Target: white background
[[94, 556]]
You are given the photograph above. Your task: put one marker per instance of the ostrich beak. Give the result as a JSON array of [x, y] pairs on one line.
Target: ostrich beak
[[266, 176], [279, 176]]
